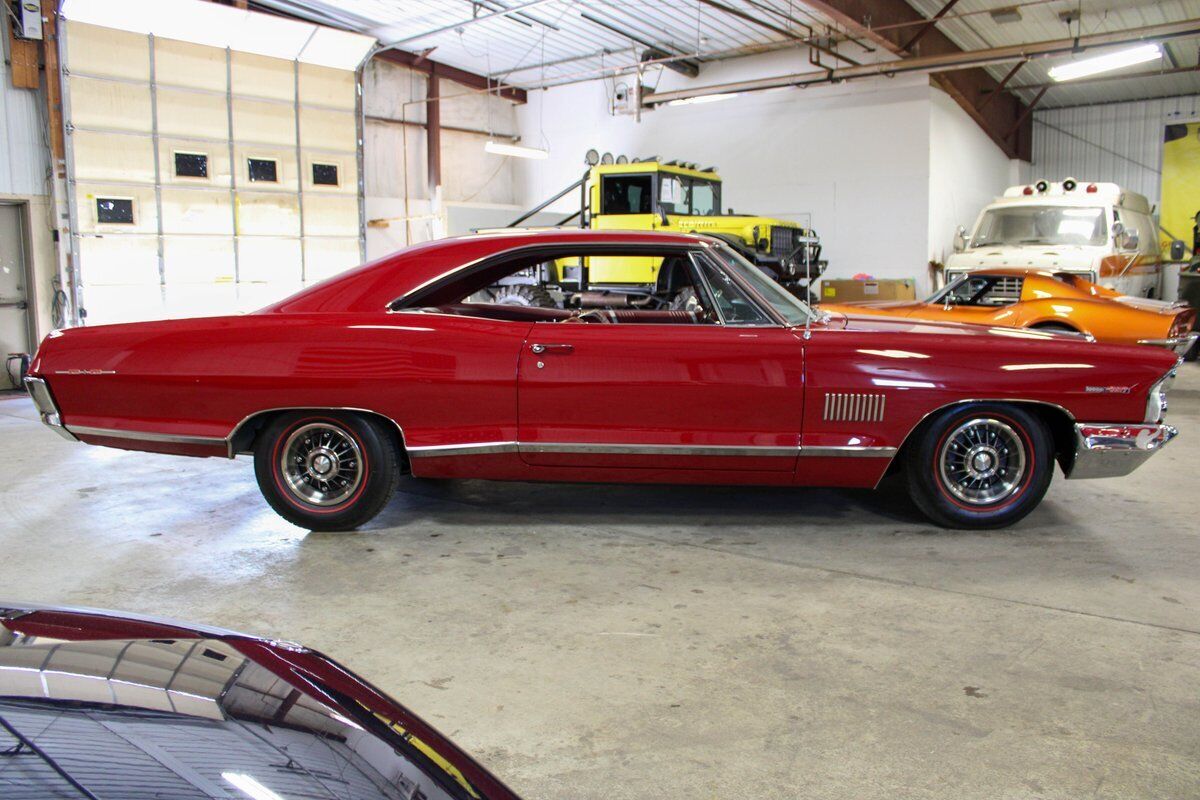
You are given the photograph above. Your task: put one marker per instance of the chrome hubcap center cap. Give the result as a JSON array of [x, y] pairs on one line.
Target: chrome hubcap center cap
[[981, 462], [321, 464]]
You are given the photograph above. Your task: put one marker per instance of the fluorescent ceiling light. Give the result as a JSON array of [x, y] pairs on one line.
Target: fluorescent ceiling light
[[515, 150], [220, 26], [703, 98], [249, 786], [1106, 63]]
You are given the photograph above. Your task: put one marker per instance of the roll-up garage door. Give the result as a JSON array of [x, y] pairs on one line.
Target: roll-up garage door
[[205, 180]]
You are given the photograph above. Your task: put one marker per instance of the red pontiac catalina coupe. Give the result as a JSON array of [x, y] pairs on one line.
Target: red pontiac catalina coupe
[[421, 363]]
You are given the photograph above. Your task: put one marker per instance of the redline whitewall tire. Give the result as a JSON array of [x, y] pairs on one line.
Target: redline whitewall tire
[[980, 465], [325, 470]]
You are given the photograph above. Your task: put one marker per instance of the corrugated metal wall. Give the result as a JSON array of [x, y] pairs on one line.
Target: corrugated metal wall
[[1118, 142], [23, 162]]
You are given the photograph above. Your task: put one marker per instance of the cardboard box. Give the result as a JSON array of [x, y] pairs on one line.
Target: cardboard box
[[849, 291]]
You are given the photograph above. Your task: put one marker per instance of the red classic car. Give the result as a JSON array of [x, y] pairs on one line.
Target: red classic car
[[99, 705], [713, 374]]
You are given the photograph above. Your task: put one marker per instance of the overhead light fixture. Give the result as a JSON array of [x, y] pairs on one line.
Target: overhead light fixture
[[220, 26], [249, 786], [515, 150], [703, 98], [1106, 63]]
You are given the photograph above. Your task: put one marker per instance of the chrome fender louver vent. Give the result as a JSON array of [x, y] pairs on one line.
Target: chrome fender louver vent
[[848, 407]]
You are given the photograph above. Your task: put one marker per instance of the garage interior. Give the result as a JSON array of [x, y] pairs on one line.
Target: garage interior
[[186, 158]]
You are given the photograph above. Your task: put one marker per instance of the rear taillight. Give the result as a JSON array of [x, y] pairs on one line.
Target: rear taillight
[[1183, 324]]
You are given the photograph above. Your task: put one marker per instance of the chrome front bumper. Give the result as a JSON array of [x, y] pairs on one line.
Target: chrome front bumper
[[1110, 451], [47, 410], [1177, 344]]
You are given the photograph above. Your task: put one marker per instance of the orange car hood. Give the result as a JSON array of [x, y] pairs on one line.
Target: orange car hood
[[886, 308]]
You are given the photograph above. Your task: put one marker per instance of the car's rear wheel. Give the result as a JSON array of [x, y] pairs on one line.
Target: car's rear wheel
[[981, 465], [326, 471]]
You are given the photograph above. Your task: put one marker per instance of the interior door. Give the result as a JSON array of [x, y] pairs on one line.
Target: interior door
[[660, 396], [14, 306]]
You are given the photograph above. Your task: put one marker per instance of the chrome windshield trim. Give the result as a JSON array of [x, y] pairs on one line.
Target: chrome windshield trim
[[148, 436]]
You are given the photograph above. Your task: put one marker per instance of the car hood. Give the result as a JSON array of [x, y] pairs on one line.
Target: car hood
[[893, 308], [883, 323], [1041, 257], [143, 707]]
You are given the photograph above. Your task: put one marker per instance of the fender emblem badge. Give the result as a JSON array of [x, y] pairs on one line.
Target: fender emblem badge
[[1107, 389]]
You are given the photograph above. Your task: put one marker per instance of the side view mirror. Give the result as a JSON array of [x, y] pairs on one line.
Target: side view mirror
[[662, 217], [960, 239], [1129, 240], [1178, 250]]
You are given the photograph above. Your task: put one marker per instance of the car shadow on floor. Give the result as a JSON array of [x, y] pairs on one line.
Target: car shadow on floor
[[473, 502]]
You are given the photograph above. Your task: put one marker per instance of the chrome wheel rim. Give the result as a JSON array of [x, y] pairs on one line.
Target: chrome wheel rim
[[321, 464], [982, 461]]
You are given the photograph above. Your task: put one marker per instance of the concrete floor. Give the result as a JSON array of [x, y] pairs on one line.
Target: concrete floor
[[622, 642]]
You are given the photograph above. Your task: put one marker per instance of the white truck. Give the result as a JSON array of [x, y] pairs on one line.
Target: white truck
[[1097, 230]]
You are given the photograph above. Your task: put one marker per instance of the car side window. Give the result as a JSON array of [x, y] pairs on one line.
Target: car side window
[[985, 291], [732, 303], [626, 194]]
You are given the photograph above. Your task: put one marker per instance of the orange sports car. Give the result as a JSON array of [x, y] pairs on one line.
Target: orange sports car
[[1025, 298]]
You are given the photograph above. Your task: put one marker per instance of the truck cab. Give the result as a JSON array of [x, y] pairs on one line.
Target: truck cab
[[681, 197], [1097, 230]]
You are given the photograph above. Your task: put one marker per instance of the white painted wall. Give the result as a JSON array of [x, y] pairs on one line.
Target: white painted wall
[[887, 168], [853, 157], [966, 172]]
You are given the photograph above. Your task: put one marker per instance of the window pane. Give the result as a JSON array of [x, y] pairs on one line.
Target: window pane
[[671, 196], [115, 210], [1041, 225], [325, 174], [785, 303], [191, 165], [264, 170], [626, 194], [705, 200], [734, 305]]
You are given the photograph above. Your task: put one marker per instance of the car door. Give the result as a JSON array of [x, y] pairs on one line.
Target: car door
[[661, 395]]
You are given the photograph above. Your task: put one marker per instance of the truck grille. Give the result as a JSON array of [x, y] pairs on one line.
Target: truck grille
[[784, 241]]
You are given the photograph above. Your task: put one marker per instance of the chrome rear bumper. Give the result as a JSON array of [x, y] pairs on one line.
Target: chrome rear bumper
[[1177, 344], [1112, 450], [47, 410]]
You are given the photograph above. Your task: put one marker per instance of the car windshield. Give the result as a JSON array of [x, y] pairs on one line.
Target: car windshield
[[785, 304], [682, 194], [1041, 225]]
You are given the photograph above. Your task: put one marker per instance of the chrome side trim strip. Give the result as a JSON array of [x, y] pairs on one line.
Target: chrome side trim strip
[[657, 449], [849, 451], [481, 448], [147, 436]]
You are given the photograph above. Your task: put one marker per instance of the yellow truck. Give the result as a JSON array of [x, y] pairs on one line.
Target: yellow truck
[[648, 195]]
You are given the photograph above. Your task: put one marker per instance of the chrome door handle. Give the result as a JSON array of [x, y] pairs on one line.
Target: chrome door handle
[[552, 348]]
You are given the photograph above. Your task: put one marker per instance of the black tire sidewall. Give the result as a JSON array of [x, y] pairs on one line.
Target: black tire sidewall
[[934, 501], [378, 454]]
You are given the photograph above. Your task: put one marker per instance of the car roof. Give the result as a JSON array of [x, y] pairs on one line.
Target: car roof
[[375, 284]]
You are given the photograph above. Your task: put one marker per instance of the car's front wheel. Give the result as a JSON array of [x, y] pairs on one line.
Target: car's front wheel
[[981, 465], [326, 471]]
